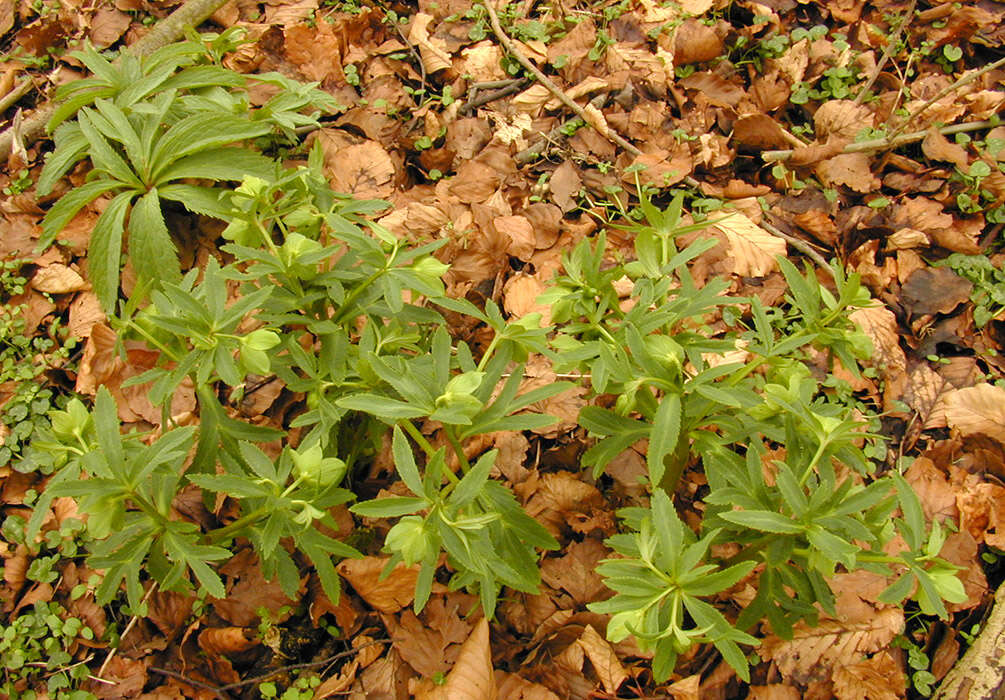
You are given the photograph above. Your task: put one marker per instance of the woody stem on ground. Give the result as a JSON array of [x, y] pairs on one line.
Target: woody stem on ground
[[511, 48], [965, 79], [889, 141], [169, 29]]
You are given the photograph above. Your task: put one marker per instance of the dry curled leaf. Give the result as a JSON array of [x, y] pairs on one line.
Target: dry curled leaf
[[388, 595], [753, 249], [472, 677], [605, 662], [813, 652], [978, 410]]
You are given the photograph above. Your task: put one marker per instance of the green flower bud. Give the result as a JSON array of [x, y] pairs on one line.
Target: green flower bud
[[316, 470]]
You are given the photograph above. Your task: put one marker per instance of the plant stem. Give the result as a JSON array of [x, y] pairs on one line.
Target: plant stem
[[458, 448], [889, 141], [228, 531]]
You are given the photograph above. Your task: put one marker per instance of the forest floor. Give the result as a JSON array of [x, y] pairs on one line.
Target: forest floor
[[862, 132]]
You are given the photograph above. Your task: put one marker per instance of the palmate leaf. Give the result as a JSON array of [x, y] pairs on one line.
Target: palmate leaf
[[151, 249], [104, 157]]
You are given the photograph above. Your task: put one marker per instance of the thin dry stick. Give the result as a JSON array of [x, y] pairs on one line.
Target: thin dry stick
[[891, 43], [966, 79], [477, 101], [534, 150], [888, 142], [169, 29], [611, 135], [16, 94], [129, 627], [220, 690], [801, 246]]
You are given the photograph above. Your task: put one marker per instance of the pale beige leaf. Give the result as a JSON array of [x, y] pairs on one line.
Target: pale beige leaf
[[85, 311], [978, 410], [595, 118], [58, 279], [483, 61], [879, 323], [877, 678], [841, 118], [520, 233], [605, 662], [471, 678], [388, 595], [520, 297], [775, 691], [432, 50], [686, 688], [753, 249], [513, 687], [813, 652]]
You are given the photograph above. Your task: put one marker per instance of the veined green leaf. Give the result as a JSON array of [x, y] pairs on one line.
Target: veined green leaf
[[404, 461], [763, 520], [224, 163], [390, 410], [474, 480], [201, 132], [389, 507], [230, 484], [710, 584], [115, 125], [105, 254], [103, 155], [151, 249], [664, 436], [68, 205], [604, 422], [77, 99], [71, 146]]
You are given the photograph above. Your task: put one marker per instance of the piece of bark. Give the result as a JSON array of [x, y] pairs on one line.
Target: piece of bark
[[980, 674]]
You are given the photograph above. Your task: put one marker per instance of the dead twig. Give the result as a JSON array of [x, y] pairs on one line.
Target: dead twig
[[891, 43], [965, 79], [129, 628], [510, 47], [169, 29], [888, 142], [220, 691], [477, 100], [554, 136], [8, 100], [800, 245]]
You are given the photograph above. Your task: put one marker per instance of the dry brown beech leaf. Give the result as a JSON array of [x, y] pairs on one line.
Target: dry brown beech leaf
[[388, 595], [978, 410], [58, 279], [753, 249], [472, 677], [813, 652], [605, 662]]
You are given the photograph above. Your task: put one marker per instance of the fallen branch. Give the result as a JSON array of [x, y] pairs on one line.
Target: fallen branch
[[534, 150], [891, 44], [168, 30], [980, 674], [965, 79], [510, 47], [888, 142], [220, 691], [800, 245]]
